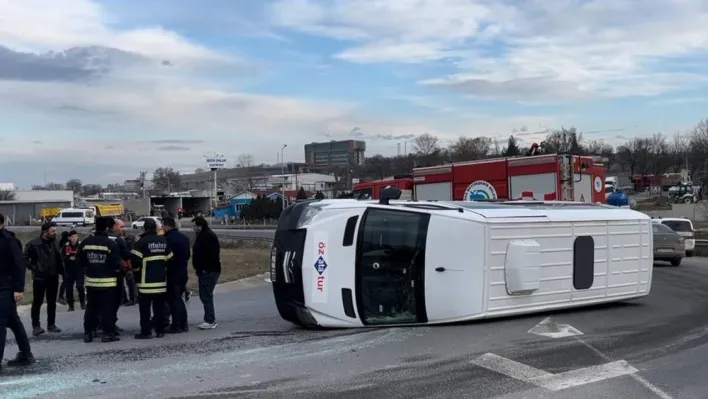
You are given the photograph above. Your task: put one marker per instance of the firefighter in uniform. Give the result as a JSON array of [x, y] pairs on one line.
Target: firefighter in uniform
[[100, 257], [150, 258]]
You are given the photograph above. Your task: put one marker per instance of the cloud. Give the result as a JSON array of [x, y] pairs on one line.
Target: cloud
[[171, 148], [113, 91], [531, 51], [173, 141], [37, 26]]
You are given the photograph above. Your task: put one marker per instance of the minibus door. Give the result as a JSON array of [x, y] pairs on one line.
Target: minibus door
[[390, 267]]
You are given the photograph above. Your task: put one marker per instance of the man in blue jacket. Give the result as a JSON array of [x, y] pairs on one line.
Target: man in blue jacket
[[177, 275]]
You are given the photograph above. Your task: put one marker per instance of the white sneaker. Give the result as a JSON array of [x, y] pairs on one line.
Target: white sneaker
[[207, 326]]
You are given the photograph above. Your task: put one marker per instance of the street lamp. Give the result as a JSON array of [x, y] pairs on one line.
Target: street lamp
[[282, 173]]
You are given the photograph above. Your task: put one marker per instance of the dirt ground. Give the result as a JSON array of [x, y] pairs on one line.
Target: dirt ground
[[240, 258]]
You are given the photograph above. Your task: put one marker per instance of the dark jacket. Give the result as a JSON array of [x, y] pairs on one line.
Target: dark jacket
[[70, 254], [100, 257], [179, 243], [44, 258], [206, 252], [122, 245], [151, 258], [12, 265]]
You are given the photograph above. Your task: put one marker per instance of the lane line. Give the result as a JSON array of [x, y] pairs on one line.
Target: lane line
[[509, 367], [644, 382], [585, 376], [550, 381]]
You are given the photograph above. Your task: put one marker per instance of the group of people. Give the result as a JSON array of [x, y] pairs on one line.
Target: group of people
[[154, 267]]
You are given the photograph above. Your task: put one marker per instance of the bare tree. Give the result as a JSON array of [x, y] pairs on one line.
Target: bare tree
[[246, 162], [166, 179], [426, 144], [679, 151], [74, 185], [658, 154], [7, 195], [563, 141], [467, 149]]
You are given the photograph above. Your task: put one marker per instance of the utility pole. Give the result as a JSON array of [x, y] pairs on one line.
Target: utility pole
[[141, 179]]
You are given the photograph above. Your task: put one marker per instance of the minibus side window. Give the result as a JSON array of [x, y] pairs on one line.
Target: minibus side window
[[583, 262], [390, 261]]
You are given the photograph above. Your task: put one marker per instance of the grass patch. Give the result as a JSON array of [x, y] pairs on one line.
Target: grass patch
[[240, 258]]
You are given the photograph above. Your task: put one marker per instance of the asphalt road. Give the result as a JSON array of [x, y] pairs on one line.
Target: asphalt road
[[222, 232], [651, 348]]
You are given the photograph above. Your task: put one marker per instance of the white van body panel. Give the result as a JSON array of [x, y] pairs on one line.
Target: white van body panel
[[75, 217], [471, 242]]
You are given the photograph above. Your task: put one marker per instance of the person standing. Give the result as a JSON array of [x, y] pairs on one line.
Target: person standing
[[206, 260], [151, 258], [62, 288], [116, 231], [74, 274], [130, 277], [12, 288], [177, 275], [100, 258], [43, 257]]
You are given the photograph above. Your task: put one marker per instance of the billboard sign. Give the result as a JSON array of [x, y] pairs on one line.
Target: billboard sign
[[215, 162]]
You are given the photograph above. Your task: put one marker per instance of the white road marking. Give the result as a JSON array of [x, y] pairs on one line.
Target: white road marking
[[586, 375], [553, 382], [509, 367], [549, 328], [648, 385]]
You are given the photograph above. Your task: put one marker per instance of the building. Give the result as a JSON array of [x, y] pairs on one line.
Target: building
[[335, 153], [205, 180], [45, 196], [291, 182], [27, 206]]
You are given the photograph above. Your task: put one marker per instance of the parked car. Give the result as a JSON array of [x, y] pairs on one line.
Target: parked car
[[138, 224], [684, 228], [669, 246]]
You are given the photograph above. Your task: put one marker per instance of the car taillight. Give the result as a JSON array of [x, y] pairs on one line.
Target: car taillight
[[273, 261], [681, 239]]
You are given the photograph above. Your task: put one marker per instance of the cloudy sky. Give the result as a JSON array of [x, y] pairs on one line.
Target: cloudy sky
[[102, 89]]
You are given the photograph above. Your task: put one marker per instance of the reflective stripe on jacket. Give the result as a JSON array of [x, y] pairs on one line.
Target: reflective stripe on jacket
[[100, 257], [150, 258]]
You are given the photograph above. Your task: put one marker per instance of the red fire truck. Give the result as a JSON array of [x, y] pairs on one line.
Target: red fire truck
[[373, 189], [542, 177]]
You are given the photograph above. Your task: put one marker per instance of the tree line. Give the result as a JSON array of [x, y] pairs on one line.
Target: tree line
[[655, 154]]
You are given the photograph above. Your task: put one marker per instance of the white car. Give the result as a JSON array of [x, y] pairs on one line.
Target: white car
[[138, 224], [684, 228], [354, 263]]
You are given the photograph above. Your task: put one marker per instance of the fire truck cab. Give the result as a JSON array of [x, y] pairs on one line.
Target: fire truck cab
[[373, 189], [552, 177]]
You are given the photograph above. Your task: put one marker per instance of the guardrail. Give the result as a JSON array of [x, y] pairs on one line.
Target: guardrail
[[702, 243]]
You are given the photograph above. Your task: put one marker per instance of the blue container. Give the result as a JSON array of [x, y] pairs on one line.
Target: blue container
[[618, 198]]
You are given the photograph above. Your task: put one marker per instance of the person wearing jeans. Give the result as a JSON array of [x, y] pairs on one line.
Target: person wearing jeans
[[177, 275], [207, 284], [43, 258], [206, 260]]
